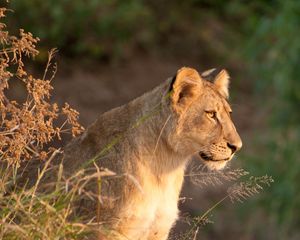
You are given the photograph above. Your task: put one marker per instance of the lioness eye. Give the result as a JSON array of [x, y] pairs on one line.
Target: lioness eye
[[211, 114]]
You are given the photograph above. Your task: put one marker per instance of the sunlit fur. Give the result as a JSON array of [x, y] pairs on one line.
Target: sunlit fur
[[150, 153]]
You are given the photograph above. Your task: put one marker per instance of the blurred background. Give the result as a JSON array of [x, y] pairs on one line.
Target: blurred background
[[111, 51]]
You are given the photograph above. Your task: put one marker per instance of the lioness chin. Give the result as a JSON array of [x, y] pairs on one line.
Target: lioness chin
[[153, 138]]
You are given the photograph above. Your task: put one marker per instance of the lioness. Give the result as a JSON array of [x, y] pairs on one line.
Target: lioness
[[150, 141]]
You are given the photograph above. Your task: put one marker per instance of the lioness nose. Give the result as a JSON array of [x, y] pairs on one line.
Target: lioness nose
[[234, 147]]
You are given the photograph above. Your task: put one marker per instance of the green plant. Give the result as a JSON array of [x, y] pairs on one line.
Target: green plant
[[271, 49], [97, 28]]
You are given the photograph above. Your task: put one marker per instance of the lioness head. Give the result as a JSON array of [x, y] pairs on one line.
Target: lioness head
[[204, 126]]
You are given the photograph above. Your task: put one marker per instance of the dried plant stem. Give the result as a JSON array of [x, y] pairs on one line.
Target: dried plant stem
[[40, 176], [213, 207], [197, 223], [159, 136], [196, 233]]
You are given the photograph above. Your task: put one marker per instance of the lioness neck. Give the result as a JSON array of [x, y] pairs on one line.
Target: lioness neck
[[146, 135]]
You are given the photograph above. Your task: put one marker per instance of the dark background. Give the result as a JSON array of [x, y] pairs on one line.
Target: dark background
[[111, 51]]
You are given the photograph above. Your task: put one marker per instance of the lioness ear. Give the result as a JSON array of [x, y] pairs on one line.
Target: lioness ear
[[186, 87], [222, 83]]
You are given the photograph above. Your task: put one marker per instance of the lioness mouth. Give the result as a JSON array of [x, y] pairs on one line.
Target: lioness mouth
[[207, 157]]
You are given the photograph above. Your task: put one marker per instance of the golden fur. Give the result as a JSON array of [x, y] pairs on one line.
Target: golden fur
[[186, 115]]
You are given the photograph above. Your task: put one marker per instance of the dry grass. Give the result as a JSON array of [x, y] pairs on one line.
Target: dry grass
[[242, 187], [26, 129]]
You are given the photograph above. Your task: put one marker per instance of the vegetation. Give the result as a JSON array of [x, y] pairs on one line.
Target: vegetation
[[26, 128], [273, 54], [258, 39]]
